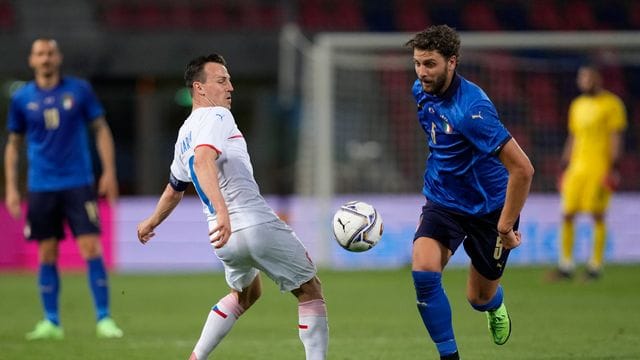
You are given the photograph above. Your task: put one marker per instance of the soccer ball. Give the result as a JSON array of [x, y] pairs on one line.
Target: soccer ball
[[357, 226]]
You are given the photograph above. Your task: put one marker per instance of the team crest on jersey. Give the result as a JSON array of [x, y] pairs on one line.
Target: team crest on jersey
[[67, 101], [33, 106], [448, 129]]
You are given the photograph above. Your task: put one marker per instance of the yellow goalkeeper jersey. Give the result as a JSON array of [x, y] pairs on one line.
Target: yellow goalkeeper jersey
[[592, 121]]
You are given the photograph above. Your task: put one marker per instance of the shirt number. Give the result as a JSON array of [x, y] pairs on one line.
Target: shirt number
[[51, 119]]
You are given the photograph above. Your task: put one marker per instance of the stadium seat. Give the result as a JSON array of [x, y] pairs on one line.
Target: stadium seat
[[214, 15], [347, 15], [579, 16], [512, 15], [180, 16], [612, 14], [376, 15], [545, 15], [542, 94], [150, 15], [256, 14], [478, 16], [118, 15], [7, 19], [502, 77], [634, 15], [445, 12], [411, 15], [614, 80]]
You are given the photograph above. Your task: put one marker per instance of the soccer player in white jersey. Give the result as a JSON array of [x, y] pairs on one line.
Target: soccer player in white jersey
[[246, 234]]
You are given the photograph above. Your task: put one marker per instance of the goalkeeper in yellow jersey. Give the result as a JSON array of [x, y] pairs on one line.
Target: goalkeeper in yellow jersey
[[597, 119]]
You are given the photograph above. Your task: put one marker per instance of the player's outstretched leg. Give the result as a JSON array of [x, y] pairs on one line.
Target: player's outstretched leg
[[313, 326], [224, 315], [221, 319], [435, 311], [498, 318]]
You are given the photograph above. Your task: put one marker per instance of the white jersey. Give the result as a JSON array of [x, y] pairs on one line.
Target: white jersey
[[215, 127]]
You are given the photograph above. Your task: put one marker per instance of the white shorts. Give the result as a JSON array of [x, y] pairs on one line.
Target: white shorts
[[272, 248]]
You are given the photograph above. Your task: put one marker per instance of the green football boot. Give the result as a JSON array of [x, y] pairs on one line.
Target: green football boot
[[499, 324], [107, 329], [45, 329]]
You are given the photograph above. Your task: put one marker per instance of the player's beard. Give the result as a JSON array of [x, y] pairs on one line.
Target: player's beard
[[47, 70], [438, 82]]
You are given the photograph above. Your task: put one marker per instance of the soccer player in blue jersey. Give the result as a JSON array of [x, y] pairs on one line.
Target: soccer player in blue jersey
[[53, 113], [476, 183]]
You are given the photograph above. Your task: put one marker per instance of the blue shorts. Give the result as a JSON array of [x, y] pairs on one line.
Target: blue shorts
[[48, 210], [478, 233]]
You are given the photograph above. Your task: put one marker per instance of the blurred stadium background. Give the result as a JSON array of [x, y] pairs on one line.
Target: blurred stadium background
[[324, 126], [323, 98]]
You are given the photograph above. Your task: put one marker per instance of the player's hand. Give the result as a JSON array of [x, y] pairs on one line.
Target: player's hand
[[611, 182], [108, 186], [511, 239], [145, 231], [220, 234], [12, 201]]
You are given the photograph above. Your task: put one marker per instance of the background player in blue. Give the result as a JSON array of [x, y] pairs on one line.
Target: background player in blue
[[476, 183], [53, 113]]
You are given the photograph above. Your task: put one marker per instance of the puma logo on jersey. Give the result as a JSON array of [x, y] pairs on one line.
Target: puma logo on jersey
[[477, 116]]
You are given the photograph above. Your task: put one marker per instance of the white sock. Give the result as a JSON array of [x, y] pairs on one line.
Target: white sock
[[220, 320], [313, 328]]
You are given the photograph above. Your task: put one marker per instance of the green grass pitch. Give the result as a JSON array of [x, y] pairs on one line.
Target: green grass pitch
[[372, 315]]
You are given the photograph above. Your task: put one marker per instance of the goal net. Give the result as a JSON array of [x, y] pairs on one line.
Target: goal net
[[359, 131]]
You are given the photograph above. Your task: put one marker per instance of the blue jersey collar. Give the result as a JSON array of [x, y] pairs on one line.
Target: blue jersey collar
[[453, 87]]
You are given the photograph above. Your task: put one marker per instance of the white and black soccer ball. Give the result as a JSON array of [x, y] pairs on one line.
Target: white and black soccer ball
[[357, 226]]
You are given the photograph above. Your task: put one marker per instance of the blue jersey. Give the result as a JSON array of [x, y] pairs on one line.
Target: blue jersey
[[55, 124], [465, 136]]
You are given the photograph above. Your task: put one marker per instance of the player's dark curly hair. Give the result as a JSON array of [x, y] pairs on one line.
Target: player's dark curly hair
[[193, 71], [441, 38]]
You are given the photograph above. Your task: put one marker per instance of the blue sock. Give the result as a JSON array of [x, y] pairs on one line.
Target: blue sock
[[99, 287], [494, 303], [49, 284], [435, 310]]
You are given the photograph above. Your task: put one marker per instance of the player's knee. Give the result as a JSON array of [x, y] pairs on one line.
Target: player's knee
[[311, 290], [48, 251], [568, 217], [248, 297], [479, 298], [89, 246]]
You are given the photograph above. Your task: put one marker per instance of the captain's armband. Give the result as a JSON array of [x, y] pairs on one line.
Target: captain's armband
[[176, 184]]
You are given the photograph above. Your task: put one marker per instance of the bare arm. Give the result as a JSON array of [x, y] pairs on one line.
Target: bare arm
[[566, 152], [11, 157], [617, 145], [207, 172], [168, 201], [520, 177], [108, 183], [612, 180]]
